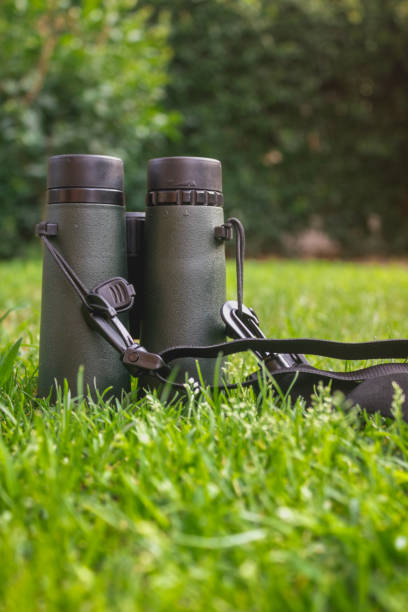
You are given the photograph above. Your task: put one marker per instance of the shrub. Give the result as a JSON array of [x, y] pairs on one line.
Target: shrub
[[78, 77]]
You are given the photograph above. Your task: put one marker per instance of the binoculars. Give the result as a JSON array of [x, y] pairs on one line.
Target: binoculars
[[151, 286], [172, 257]]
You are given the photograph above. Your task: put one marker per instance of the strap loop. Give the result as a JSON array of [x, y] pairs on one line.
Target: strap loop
[[46, 229], [239, 257]]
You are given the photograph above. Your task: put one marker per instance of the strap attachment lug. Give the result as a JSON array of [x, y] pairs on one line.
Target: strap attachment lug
[[45, 228], [224, 232]]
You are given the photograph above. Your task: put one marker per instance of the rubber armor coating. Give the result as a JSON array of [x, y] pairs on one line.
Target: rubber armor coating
[[92, 238], [184, 282]]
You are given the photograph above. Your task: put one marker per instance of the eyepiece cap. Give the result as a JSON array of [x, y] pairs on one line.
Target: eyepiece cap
[[169, 173], [85, 171]]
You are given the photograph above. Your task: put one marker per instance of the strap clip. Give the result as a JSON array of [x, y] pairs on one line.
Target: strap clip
[[243, 323], [137, 359]]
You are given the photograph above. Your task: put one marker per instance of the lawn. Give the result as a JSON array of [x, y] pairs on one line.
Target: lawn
[[223, 503]]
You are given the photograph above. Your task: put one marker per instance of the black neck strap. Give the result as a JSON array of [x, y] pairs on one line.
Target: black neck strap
[[301, 379]]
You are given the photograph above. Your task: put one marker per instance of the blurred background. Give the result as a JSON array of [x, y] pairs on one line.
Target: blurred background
[[305, 102]]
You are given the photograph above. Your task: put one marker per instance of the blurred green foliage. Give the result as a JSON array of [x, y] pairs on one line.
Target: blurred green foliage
[[77, 77], [305, 103]]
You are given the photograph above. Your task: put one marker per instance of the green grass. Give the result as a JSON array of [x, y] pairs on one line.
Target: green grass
[[225, 503]]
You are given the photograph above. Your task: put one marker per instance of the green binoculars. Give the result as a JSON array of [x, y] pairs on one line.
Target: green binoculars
[[172, 255], [128, 294]]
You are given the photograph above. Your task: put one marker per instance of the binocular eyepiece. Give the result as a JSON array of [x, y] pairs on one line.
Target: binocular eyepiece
[[170, 254], [85, 178], [189, 174]]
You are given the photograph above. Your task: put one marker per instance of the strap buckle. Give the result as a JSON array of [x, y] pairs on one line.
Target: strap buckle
[[244, 323], [117, 291], [103, 317]]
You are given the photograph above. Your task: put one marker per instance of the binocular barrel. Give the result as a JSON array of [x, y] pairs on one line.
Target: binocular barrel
[[86, 200], [184, 284], [170, 254]]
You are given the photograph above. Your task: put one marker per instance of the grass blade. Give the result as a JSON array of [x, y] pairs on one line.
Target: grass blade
[[7, 362], [6, 314], [8, 414]]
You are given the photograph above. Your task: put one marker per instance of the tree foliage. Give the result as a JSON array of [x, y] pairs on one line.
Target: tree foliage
[[78, 77], [306, 105]]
